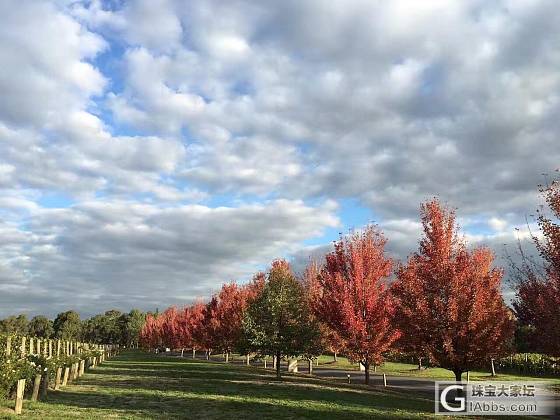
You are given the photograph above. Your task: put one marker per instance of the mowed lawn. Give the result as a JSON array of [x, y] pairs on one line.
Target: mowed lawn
[[138, 385], [440, 374]]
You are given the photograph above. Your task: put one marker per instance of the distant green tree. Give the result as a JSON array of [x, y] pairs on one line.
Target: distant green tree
[[15, 325], [279, 322], [131, 325], [112, 328], [68, 326], [92, 329], [104, 328], [41, 326]]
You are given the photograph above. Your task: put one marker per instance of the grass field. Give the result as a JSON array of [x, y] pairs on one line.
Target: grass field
[[410, 370], [138, 385]]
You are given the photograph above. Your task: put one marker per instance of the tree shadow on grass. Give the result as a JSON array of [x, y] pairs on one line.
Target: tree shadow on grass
[[142, 386], [216, 406], [252, 384]]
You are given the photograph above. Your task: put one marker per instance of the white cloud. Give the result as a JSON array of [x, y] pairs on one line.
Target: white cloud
[[145, 255], [163, 104]]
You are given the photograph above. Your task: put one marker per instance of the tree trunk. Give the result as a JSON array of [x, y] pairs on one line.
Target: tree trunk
[[493, 367], [277, 365], [248, 360], [366, 372], [419, 363], [458, 373], [335, 357], [207, 354], [182, 352], [310, 362], [194, 353], [227, 356]]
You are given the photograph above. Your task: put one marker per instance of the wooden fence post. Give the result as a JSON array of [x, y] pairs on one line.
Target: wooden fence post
[[58, 344], [66, 373], [36, 385], [50, 348], [19, 395], [57, 379], [45, 383], [31, 347], [23, 346], [8, 346], [384, 380]]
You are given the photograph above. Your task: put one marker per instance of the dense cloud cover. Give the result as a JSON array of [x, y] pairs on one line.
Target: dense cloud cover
[[151, 150]]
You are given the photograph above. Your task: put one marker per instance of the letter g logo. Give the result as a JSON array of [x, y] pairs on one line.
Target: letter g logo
[[460, 400]]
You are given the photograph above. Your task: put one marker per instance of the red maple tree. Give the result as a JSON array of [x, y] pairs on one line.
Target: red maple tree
[[225, 315], [538, 291], [329, 337], [450, 303], [353, 299], [170, 329], [149, 334], [197, 327]]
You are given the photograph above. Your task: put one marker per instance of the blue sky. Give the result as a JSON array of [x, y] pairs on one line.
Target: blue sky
[[147, 166]]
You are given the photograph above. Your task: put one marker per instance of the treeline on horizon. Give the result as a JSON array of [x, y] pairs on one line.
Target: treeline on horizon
[[444, 306], [111, 327]]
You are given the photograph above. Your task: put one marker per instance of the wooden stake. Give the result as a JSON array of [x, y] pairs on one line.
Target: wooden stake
[[36, 385], [66, 373], [57, 379], [8, 346], [23, 346], [19, 395], [82, 367], [384, 380], [45, 383]]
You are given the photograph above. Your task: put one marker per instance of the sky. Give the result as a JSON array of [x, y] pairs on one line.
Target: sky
[[151, 150]]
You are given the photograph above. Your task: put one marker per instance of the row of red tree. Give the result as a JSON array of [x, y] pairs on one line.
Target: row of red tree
[[444, 303]]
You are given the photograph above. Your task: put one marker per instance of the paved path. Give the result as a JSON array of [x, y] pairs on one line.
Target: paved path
[[424, 385]]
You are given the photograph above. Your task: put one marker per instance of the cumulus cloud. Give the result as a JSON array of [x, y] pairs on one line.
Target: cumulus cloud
[[99, 254], [290, 105]]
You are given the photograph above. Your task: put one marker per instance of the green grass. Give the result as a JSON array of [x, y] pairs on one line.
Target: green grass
[[138, 385], [410, 370]]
